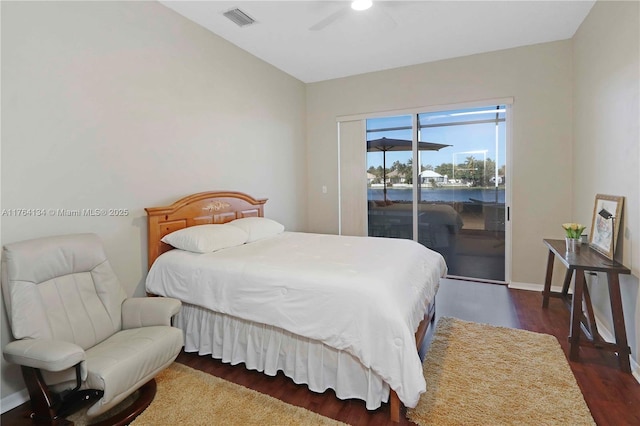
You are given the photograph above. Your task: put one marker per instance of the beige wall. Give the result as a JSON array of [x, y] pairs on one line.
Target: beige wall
[[537, 77], [607, 138], [129, 105], [576, 109]]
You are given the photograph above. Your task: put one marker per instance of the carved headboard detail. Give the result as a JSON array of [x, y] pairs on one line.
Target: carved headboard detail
[[197, 209]]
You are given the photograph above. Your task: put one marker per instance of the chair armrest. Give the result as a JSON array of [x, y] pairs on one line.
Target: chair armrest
[[50, 355], [148, 311]]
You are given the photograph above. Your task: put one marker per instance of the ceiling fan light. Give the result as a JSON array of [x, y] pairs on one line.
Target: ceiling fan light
[[361, 4]]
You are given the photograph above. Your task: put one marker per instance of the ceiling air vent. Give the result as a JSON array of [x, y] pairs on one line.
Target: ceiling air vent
[[239, 17]]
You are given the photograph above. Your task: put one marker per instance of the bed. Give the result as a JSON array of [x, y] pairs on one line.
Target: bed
[[250, 303]]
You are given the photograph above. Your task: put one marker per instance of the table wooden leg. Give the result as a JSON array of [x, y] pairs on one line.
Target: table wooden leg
[[576, 317], [591, 319], [618, 321], [547, 281], [567, 282]]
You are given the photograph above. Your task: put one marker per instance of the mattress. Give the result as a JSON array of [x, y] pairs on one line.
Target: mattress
[[364, 296]]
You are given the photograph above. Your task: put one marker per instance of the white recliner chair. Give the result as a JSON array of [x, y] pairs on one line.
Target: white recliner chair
[[77, 334]]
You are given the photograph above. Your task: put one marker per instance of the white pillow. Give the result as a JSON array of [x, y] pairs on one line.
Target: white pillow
[[206, 238], [258, 227]]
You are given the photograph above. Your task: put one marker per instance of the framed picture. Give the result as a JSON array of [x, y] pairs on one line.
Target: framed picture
[[607, 220]]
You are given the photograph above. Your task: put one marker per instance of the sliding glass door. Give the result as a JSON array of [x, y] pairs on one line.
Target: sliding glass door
[[440, 178], [390, 177]]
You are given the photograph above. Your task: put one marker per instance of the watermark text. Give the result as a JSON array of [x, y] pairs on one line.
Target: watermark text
[[57, 212]]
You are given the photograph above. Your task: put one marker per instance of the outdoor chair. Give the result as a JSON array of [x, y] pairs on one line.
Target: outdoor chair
[[78, 337]]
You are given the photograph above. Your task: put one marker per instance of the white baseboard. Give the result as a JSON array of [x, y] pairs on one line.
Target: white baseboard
[[609, 336], [532, 287], [603, 327], [635, 370], [12, 401]]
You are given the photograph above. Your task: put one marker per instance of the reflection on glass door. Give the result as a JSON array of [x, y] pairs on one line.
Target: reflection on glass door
[[460, 185], [463, 190], [390, 177]]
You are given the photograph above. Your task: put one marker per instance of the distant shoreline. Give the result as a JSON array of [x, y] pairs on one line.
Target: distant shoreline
[[441, 194]]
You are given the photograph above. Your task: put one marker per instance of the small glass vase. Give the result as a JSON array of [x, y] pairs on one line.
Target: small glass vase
[[573, 244]]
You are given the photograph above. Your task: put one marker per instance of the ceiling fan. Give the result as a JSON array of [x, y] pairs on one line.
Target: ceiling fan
[[377, 13]]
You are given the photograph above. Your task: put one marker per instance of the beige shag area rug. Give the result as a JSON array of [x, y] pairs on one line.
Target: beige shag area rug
[[479, 374], [186, 396]]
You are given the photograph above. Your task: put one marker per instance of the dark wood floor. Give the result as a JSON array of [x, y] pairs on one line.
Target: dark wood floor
[[612, 396]]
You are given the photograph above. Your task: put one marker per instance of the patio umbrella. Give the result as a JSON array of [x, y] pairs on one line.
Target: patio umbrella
[[387, 144]]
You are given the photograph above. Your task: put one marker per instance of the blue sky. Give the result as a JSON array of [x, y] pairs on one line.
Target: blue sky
[[463, 138]]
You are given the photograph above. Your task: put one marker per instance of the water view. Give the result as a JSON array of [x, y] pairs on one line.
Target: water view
[[447, 195]]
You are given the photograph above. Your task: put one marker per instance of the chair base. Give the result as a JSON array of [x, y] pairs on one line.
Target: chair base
[[47, 409], [75, 400], [145, 396]]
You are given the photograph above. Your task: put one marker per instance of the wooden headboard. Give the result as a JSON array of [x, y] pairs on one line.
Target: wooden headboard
[[197, 209]]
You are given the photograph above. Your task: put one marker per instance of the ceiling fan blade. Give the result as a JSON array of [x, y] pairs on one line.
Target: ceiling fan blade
[[386, 19], [329, 19], [389, 23]]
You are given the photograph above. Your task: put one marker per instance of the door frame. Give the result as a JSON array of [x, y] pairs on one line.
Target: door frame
[[509, 104]]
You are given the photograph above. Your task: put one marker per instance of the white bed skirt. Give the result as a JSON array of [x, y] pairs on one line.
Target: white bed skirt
[[270, 349]]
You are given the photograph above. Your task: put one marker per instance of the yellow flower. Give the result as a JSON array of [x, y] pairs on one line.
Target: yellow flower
[[573, 230]]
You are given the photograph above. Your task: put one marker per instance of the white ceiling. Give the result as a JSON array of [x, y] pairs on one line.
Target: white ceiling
[[389, 35]]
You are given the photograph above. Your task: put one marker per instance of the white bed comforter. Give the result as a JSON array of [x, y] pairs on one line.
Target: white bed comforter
[[362, 295]]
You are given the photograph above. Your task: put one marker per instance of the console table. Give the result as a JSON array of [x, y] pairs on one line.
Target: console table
[[588, 259]]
